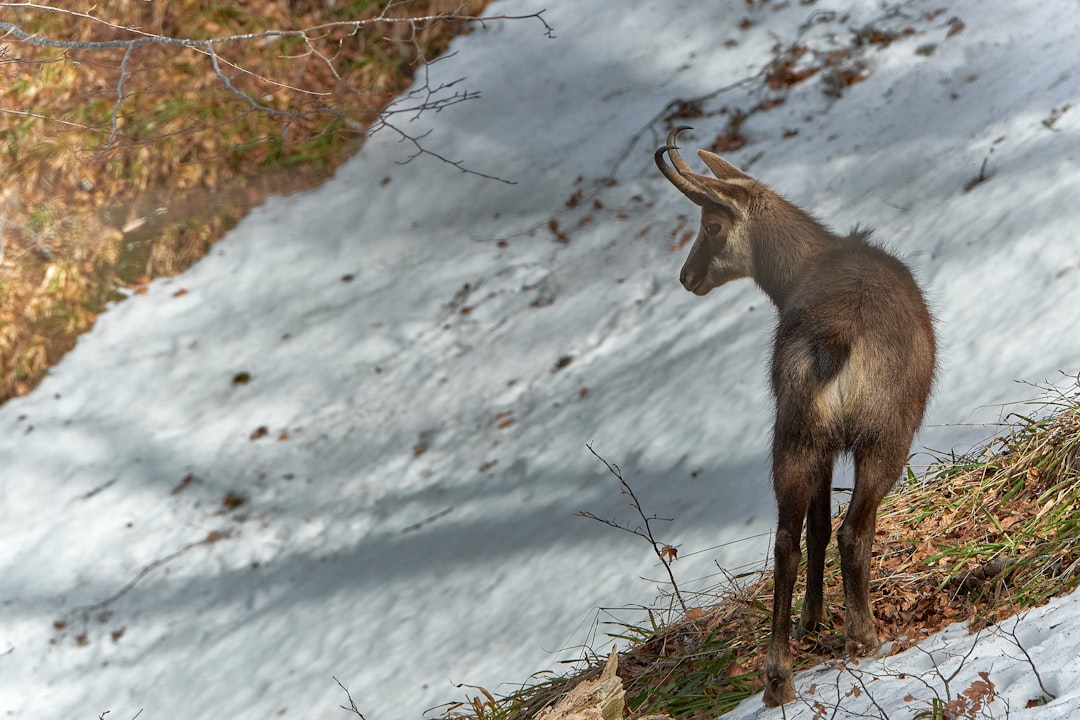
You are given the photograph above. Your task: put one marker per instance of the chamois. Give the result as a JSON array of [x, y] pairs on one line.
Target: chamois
[[852, 367]]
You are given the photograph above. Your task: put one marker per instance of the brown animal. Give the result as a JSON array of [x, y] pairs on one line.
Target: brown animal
[[852, 366]]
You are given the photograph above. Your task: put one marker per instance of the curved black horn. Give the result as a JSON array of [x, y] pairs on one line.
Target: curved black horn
[[678, 175], [673, 150], [688, 182]]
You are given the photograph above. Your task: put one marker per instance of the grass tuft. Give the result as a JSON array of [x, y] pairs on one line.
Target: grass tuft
[[976, 538]]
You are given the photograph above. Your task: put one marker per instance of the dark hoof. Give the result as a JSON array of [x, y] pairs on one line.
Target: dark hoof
[[862, 648], [809, 628], [779, 690]]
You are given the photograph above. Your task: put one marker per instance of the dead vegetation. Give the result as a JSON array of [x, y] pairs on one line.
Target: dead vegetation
[[108, 194], [977, 538]]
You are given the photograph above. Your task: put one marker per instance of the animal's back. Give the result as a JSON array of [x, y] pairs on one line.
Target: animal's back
[[854, 350]]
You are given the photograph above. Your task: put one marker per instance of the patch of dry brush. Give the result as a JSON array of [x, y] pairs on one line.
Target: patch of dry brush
[[109, 195], [978, 539]]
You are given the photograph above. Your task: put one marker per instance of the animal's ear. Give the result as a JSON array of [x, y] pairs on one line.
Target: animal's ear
[[720, 167], [732, 197]]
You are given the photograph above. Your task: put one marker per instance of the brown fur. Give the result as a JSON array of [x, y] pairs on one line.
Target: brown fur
[[852, 367]]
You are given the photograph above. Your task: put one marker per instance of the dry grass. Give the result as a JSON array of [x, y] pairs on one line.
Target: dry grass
[[88, 212], [977, 538]]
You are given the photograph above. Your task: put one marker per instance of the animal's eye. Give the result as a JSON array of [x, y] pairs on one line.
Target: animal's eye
[[714, 228]]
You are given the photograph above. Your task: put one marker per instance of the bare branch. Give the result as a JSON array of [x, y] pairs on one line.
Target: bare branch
[[119, 100], [352, 704], [255, 105], [146, 38], [665, 553], [130, 38], [858, 675], [1016, 641], [86, 610], [420, 149]]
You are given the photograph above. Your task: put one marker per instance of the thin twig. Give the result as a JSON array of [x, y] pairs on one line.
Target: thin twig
[[114, 122], [87, 610], [420, 149], [663, 551], [882, 715], [352, 705], [1016, 641]]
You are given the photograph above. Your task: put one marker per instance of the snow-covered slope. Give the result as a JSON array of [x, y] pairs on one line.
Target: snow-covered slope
[[1024, 668], [351, 442]]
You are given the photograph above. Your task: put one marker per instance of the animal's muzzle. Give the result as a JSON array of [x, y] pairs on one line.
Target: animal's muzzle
[[692, 282]]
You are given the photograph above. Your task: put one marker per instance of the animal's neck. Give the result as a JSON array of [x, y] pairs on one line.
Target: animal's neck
[[785, 247]]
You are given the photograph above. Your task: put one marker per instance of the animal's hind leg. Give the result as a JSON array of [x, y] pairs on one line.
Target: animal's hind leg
[[818, 532], [795, 469], [877, 468]]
